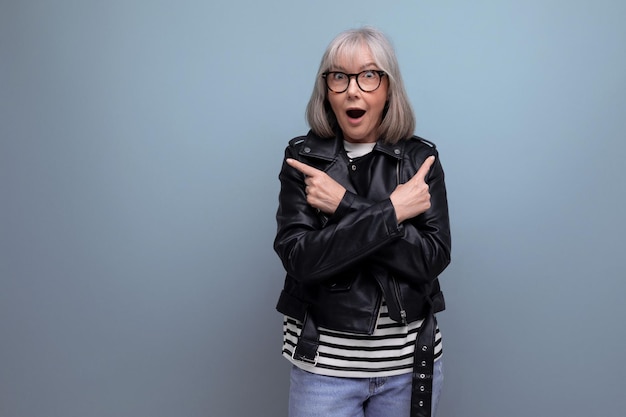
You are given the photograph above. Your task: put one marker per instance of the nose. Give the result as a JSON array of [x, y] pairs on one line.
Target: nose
[[353, 86]]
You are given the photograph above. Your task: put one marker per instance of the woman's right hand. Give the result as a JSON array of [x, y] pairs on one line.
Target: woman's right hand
[[322, 192], [413, 197]]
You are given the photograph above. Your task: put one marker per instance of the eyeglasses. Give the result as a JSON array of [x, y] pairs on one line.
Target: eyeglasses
[[368, 80]]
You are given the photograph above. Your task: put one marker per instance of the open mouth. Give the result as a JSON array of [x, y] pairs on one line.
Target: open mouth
[[355, 113]]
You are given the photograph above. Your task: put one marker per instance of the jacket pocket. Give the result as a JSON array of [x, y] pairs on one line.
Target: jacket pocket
[[341, 282]]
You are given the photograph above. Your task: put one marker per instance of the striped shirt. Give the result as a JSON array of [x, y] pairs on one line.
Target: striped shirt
[[386, 352]]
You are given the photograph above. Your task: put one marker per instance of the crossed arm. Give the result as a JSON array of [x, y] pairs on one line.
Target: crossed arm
[[390, 233], [324, 193]]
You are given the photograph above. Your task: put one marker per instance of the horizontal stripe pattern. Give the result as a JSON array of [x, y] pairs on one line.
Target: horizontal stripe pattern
[[387, 352]]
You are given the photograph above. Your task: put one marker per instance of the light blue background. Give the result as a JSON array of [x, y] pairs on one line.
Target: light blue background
[[140, 147]]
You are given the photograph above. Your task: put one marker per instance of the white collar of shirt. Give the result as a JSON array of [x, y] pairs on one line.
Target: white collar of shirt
[[356, 150]]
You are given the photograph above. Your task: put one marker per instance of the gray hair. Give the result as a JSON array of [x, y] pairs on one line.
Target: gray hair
[[398, 119]]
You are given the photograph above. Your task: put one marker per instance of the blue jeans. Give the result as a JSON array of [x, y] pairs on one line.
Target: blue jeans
[[312, 395]]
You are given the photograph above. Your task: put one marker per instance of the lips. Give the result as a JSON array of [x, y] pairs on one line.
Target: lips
[[355, 113]]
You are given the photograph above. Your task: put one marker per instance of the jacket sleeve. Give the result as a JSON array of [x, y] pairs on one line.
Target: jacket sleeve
[[312, 250], [423, 252]]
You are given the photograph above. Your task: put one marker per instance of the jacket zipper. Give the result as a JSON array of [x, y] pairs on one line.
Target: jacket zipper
[[396, 287]]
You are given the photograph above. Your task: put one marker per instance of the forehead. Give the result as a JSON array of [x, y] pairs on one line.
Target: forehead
[[353, 57]]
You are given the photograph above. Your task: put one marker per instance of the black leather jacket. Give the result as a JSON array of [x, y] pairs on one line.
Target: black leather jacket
[[338, 267]]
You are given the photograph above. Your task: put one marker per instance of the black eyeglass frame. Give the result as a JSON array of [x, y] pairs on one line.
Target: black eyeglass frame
[[356, 77]]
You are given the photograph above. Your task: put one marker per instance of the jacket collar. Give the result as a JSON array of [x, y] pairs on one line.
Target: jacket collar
[[328, 148], [395, 150]]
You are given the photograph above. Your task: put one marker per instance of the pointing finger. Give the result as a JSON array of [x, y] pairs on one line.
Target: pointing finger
[[302, 167], [421, 173]]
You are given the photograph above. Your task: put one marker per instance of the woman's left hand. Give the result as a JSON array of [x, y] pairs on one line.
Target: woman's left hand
[[322, 192]]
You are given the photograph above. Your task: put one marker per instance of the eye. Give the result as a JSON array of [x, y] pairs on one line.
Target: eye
[[369, 74], [339, 76]]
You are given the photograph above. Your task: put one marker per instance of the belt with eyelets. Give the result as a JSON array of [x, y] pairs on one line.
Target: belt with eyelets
[[423, 367]]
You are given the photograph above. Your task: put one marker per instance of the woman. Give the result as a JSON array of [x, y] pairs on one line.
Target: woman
[[363, 233]]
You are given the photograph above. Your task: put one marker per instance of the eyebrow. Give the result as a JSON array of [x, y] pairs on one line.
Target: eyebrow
[[362, 68]]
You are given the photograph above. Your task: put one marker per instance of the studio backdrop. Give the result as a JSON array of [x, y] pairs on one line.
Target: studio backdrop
[[140, 145]]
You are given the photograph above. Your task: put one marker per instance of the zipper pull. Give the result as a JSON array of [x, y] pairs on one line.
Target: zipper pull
[[403, 315]]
